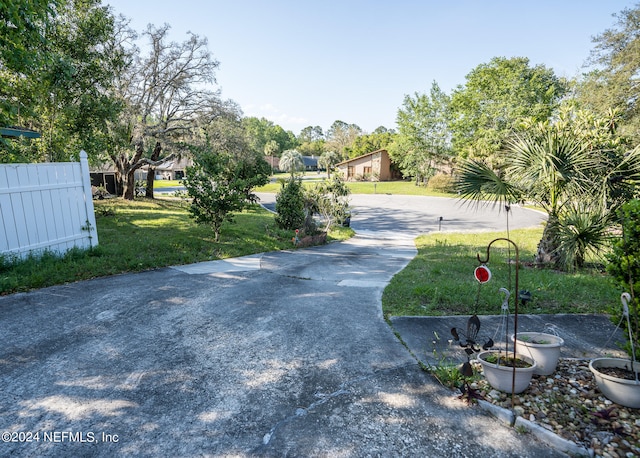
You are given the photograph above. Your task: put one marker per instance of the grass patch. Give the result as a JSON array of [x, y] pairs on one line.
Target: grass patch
[[159, 184], [368, 187], [146, 234], [439, 280]]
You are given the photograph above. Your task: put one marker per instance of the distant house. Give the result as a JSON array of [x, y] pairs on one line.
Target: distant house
[[170, 170], [310, 163], [374, 166], [104, 176]]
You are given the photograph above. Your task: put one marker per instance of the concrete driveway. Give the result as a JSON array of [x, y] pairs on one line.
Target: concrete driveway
[[280, 354]]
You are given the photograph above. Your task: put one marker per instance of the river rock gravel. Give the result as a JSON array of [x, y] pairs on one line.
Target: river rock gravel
[[569, 404]]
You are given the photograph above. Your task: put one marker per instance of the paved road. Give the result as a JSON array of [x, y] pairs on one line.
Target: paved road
[[281, 354], [413, 215]]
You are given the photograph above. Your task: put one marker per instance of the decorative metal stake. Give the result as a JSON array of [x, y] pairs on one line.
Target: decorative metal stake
[[515, 319]]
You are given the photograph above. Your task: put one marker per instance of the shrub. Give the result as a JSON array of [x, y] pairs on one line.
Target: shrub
[[290, 204], [624, 265], [330, 200], [442, 183]]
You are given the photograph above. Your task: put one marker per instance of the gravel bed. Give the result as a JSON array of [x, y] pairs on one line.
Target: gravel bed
[[569, 404]]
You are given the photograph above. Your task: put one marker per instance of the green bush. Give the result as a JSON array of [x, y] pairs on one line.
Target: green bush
[[624, 265], [290, 205], [441, 183]]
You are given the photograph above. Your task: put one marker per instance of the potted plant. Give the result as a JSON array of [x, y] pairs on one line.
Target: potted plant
[[617, 378], [507, 371], [543, 347], [499, 369]]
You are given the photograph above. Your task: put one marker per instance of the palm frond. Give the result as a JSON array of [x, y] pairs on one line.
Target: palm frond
[[475, 180], [583, 230]]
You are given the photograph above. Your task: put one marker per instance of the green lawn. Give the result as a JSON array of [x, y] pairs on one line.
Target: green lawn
[[440, 281], [146, 234], [357, 187], [368, 187]]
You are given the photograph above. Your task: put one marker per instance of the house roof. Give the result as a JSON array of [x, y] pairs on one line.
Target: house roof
[[16, 132], [360, 157], [310, 161]]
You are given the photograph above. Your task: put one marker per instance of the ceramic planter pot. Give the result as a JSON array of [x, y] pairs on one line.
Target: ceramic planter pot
[[543, 348], [500, 377], [621, 391]]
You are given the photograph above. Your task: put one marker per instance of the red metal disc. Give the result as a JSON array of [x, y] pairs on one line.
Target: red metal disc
[[482, 274]]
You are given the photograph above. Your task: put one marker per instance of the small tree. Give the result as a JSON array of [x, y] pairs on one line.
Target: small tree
[[290, 205], [221, 184], [328, 160], [291, 161], [329, 199]]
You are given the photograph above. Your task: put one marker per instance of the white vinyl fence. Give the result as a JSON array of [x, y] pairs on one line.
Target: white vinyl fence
[[46, 207]]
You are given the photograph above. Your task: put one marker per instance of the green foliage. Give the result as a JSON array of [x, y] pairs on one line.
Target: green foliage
[[574, 169], [329, 199], [262, 132], [68, 93], [291, 161], [615, 63], [368, 143], [290, 202], [328, 160], [22, 36], [495, 97], [442, 183], [584, 231], [220, 184], [423, 142], [624, 263], [340, 136]]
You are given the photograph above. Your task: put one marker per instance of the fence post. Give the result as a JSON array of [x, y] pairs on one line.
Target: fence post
[[88, 199]]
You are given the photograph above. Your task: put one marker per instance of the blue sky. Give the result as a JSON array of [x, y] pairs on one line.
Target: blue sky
[[301, 63]]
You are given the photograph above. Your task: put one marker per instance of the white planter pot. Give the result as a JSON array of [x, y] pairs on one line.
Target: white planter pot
[[501, 377], [543, 348], [621, 391]]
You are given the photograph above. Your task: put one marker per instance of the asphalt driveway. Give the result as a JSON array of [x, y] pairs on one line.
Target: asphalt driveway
[[280, 354]]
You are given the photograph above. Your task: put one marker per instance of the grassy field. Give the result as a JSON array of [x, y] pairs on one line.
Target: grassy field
[[440, 281], [356, 187], [146, 234], [368, 187]]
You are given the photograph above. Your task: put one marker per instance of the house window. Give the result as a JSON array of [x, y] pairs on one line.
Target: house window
[[350, 171], [367, 170]]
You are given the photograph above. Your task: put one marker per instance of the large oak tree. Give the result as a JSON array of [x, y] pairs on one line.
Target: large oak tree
[[169, 95]]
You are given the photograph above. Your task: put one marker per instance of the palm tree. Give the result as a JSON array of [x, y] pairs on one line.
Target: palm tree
[[291, 161], [560, 170], [328, 159]]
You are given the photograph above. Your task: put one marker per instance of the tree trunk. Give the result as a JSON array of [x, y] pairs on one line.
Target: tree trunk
[[129, 185], [151, 170], [548, 246], [129, 172]]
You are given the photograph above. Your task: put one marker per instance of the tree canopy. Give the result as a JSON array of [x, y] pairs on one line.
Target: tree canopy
[[59, 65], [614, 63], [495, 97], [423, 142]]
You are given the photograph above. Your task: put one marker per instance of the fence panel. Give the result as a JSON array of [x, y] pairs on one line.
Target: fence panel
[[46, 207]]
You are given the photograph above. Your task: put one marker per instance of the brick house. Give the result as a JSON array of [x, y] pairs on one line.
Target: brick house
[[374, 166]]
